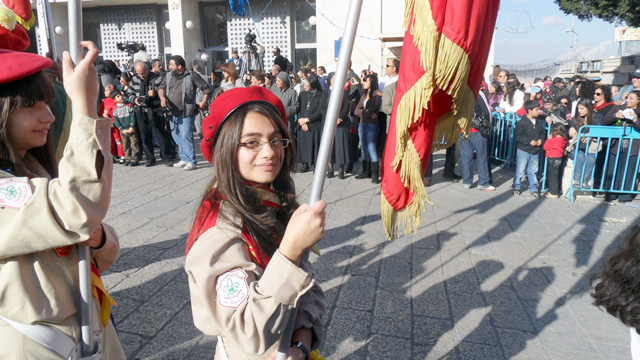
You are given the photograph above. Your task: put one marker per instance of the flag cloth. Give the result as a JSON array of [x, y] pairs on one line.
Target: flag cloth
[[237, 7], [444, 54]]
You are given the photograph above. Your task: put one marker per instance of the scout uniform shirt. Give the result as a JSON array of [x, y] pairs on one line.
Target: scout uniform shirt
[[40, 221], [247, 306]]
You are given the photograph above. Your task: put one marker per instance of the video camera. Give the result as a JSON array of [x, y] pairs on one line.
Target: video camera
[[130, 47], [249, 39]]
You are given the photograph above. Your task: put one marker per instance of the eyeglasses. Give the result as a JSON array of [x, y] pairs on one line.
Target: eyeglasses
[[564, 103], [257, 146], [389, 65], [599, 94]]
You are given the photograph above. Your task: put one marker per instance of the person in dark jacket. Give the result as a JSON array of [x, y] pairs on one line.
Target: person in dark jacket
[[623, 155], [368, 129], [528, 135], [341, 151], [311, 110]]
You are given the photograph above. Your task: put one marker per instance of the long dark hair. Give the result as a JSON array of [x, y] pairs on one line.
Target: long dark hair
[[588, 120], [22, 93], [373, 80], [616, 287], [231, 70], [265, 223], [510, 90]]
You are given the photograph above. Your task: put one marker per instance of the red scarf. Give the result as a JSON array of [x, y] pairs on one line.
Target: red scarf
[[207, 217], [597, 107]]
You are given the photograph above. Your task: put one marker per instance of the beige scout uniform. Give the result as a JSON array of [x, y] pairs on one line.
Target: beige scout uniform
[[249, 329], [36, 285]]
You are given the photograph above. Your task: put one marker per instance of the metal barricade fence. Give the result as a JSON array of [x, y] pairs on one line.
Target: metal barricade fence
[[503, 143], [609, 164]]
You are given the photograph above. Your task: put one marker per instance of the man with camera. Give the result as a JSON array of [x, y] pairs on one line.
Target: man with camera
[[180, 86], [144, 93]]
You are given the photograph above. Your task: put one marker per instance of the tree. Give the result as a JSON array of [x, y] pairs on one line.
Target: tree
[[617, 11]]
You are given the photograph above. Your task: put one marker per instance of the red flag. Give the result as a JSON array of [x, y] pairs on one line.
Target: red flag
[[444, 54]]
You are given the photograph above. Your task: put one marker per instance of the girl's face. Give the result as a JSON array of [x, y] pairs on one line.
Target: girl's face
[[366, 83], [123, 81], [548, 106], [632, 101], [27, 127], [492, 89], [225, 75], [263, 166], [582, 110]]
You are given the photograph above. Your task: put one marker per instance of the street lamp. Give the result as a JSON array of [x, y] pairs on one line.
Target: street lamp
[[571, 43]]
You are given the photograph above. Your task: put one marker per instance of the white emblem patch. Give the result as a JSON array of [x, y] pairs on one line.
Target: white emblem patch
[[232, 288], [14, 194]]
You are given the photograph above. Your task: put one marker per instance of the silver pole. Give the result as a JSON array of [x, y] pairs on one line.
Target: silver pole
[[328, 133], [43, 5], [74, 12]]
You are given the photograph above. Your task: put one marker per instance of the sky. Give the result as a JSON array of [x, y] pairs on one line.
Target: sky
[[529, 31]]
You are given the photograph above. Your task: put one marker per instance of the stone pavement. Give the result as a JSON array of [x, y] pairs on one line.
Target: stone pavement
[[487, 276]]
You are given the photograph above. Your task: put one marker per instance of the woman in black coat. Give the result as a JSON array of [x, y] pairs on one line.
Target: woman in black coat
[[311, 111], [341, 151]]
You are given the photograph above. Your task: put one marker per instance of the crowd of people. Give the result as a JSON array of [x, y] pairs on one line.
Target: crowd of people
[[565, 108]]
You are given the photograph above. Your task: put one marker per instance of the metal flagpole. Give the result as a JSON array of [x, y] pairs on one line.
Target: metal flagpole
[[328, 133], [84, 254], [43, 5]]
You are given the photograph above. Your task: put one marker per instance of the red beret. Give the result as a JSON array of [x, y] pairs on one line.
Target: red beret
[[227, 103], [17, 65]]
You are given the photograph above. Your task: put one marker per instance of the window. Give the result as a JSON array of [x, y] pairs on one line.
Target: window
[[305, 34], [596, 65], [584, 66]]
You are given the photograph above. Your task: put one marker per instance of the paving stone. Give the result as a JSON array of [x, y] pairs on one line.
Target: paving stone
[[395, 273], [387, 347], [358, 293], [473, 351], [392, 314], [508, 312], [347, 335]]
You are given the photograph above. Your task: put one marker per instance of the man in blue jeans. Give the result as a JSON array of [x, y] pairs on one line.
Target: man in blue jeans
[[477, 143], [528, 135], [180, 88]]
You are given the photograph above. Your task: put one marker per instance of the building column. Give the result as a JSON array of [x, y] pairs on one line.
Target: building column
[[185, 42]]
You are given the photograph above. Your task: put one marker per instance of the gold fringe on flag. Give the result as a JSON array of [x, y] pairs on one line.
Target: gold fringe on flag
[[27, 24], [447, 68]]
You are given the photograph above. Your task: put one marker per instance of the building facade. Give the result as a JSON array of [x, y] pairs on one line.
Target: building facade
[[305, 31]]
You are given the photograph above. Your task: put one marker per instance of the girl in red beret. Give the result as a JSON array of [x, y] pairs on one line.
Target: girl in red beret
[[245, 250], [47, 208]]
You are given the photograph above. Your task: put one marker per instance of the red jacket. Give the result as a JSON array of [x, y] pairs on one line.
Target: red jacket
[[554, 147]]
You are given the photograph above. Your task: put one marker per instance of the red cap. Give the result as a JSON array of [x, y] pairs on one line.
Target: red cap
[[17, 65], [227, 103]]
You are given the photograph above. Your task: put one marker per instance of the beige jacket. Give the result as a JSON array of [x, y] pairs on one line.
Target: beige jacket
[[249, 325], [37, 285]]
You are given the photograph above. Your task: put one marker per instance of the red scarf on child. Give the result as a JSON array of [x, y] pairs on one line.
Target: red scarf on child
[[207, 217]]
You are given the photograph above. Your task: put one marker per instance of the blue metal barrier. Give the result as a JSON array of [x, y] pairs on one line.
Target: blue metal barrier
[[503, 143], [619, 170]]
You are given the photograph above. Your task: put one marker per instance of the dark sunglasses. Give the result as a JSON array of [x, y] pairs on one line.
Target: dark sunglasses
[[564, 103], [599, 94]]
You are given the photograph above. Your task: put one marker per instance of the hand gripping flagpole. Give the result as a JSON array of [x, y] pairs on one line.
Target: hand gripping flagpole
[[74, 12], [328, 133]]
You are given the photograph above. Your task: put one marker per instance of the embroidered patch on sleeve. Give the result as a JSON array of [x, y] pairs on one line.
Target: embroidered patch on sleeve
[[14, 194], [232, 288]]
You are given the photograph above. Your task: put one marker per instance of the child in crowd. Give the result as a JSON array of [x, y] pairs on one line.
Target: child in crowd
[[554, 151], [528, 135], [125, 120], [106, 110], [548, 111]]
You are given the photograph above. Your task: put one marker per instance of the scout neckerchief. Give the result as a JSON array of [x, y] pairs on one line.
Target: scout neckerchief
[[208, 215], [99, 292]]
